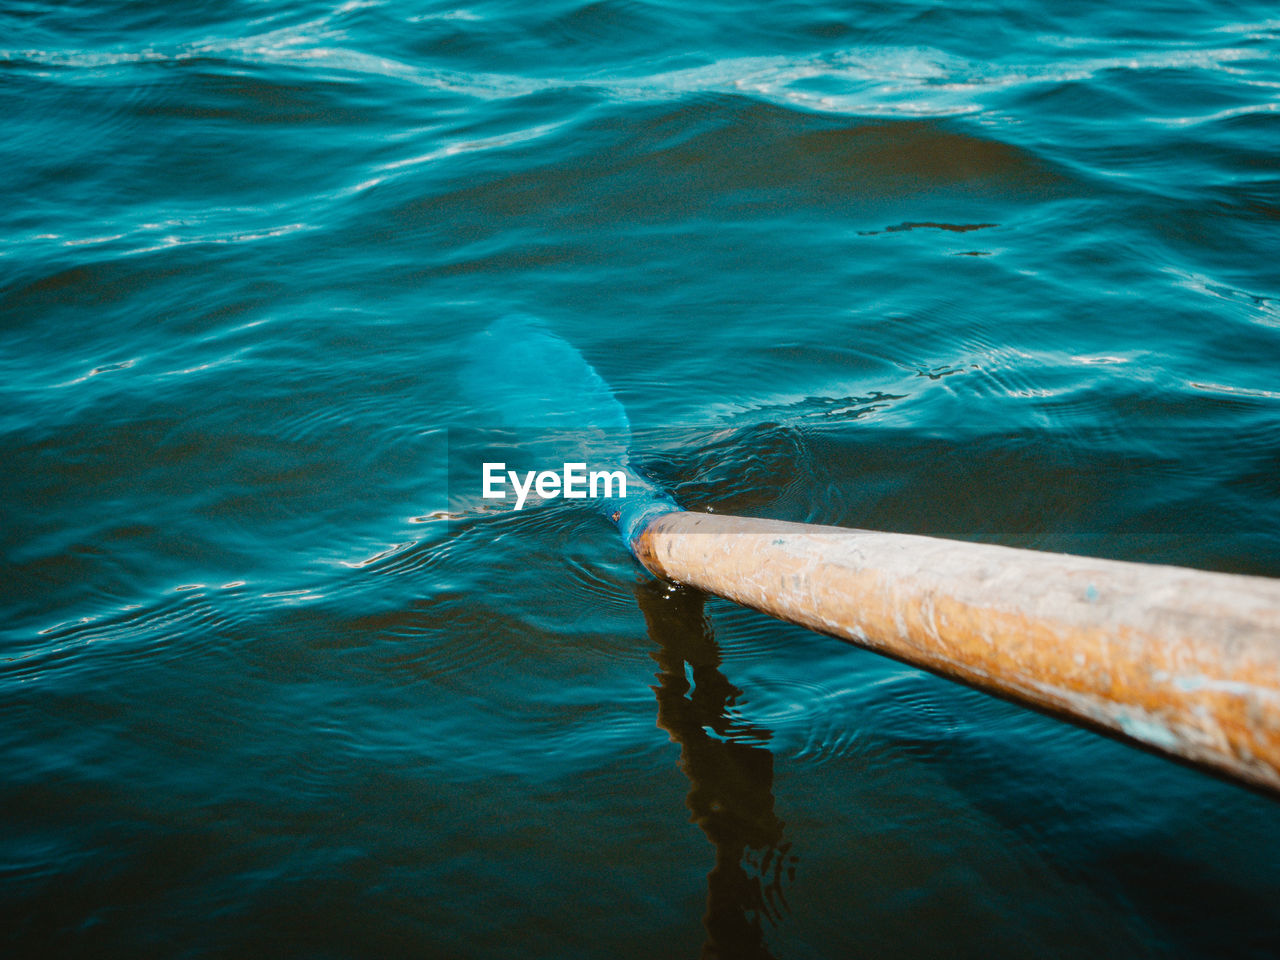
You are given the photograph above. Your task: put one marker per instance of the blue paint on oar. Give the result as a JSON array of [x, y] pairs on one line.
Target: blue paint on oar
[[532, 380], [529, 377]]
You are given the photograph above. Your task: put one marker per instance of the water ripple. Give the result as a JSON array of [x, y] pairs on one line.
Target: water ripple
[[267, 657]]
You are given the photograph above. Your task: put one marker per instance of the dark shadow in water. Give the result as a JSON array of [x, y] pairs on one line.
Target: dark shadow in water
[[730, 781]]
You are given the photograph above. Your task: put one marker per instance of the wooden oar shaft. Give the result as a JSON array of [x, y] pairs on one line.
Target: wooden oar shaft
[[1184, 661]]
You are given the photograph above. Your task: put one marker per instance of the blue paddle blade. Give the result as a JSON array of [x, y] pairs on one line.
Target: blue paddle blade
[[531, 378], [534, 382]]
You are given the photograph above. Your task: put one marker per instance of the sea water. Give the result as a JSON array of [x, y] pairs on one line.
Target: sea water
[[275, 681]]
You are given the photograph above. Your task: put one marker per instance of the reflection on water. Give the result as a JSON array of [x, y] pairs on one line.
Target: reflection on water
[[730, 774]]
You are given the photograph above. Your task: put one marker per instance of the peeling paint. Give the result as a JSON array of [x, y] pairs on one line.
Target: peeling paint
[[1185, 661]]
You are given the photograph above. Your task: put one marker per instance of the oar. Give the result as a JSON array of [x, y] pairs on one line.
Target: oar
[[1182, 661]]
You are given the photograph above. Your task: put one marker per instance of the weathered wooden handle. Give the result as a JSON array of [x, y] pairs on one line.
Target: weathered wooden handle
[[1184, 661]]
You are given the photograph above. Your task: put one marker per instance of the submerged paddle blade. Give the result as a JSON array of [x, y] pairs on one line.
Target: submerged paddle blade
[[530, 378], [534, 382]]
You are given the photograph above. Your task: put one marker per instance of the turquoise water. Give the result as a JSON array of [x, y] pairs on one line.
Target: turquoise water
[[274, 684]]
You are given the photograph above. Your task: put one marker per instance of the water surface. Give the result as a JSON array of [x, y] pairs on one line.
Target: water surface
[[997, 272]]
